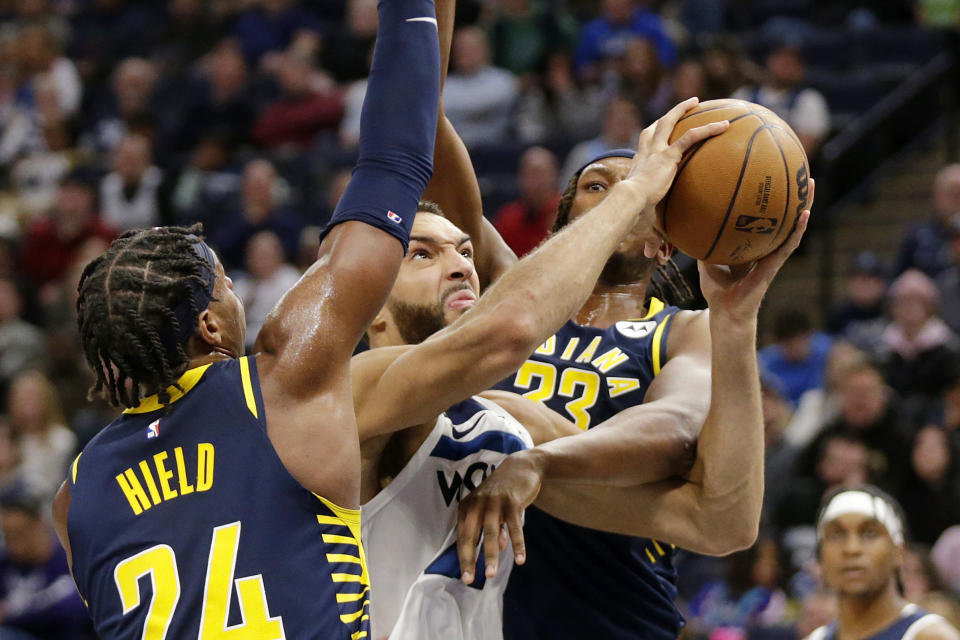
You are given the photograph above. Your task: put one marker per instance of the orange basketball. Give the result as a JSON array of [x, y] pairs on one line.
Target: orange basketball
[[737, 195]]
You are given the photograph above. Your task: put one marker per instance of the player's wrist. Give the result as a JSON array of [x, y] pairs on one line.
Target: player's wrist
[[634, 194]]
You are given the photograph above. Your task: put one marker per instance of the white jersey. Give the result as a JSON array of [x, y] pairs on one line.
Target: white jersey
[[409, 532]]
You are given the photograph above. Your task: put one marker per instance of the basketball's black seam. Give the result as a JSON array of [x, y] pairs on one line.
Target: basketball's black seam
[[786, 205], [693, 150], [736, 190]]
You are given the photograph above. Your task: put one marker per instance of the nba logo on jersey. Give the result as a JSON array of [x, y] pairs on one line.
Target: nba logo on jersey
[[394, 217], [153, 429]]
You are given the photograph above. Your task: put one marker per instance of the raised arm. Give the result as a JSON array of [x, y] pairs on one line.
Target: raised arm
[[586, 479], [525, 306], [317, 325], [454, 184]]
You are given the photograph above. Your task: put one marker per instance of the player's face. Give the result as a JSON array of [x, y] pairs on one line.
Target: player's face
[[858, 557], [437, 282], [627, 264], [228, 308]]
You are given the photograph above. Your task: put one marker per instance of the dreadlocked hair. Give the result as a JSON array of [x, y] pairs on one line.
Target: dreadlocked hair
[[667, 283], [127, 298]]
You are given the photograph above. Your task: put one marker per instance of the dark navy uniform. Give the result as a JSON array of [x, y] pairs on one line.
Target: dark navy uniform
[[912, 621], [578, 582], [185, 524]]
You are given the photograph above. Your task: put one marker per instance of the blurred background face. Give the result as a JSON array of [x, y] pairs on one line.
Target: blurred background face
[[470, 51], [9, 301], [843, 463], [618, 11], [946, 191], [258, 181], [858, 556], [295, 75], [538, 175], [863, 398], [776, 414], [688, 81], [28, 402], [910, 311], [640, 60], [73, 210], [362, 17], [264, 255], [931, 455], [26, 537], [785, 67], [132, 157], [228, 71], [865, 290], [622, 123], [133, 84]]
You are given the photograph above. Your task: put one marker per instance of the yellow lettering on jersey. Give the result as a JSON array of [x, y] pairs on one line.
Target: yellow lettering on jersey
[[152, 486], [148, 479], [620, 386], [204, 466], [548, 347], [571, 346], [185, 486], [134, 492], [591, 349], [610, 360], [164, 475]]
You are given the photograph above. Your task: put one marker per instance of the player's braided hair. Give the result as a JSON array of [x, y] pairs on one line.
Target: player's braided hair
[[667, 283], [132, 335]]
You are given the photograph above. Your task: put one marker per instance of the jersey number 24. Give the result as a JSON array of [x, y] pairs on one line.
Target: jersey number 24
[[160, 563]]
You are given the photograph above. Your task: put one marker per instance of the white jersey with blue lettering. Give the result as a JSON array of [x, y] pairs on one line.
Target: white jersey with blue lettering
[[409, 532]]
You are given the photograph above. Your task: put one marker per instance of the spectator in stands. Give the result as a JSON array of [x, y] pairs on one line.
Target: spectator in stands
[[917, 345], [784, 93], [841, 459], [346, 52], [38, 600], [604, 38], [799, 354], [524, 31], [918, 574], [219, 101], [478, 98], [267, 278], [271, 25], [26, 122], [208, 181], [129, 105], [22, 345], [130, 195], [727, 69], [310, 102], [10, 457], [859, 317], [925, 245], [52, 242], [946, 557], [37, 174], [930, 494], [46, 444], [780, 454], [621, 129], [187, 31], [870, 415], [524, 223], [749, 596], [689, 80], [819, 608], [555, 104], [948, 280], [258, 209], [43, 63], [643, 79]]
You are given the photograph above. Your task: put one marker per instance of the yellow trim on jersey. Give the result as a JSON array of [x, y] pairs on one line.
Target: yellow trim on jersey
[[650, 555], [349, 517], [656, 306], [347, 618], [658, 548], [332, 538], [73, 467], [342, 557], [352, 597], [187, 381], [248, 386], [358, 635], [657, 343]]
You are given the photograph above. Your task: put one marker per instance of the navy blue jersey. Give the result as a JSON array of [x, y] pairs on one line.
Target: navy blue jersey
[[579, 582], [185, 524], [912, 620]]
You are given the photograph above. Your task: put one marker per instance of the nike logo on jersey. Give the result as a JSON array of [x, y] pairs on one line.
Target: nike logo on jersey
[[432, 21], [457, 434]]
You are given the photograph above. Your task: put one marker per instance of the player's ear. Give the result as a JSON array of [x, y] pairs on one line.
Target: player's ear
[[665, 252], [208, 328], [379, 324], [899, 552]]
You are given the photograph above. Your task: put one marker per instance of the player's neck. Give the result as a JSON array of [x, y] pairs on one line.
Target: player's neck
[[610, 303], [217, 354], [862, 617]]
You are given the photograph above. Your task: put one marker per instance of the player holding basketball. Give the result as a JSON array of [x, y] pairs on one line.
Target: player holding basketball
[[638, 362], [235, 486], [861, 537]]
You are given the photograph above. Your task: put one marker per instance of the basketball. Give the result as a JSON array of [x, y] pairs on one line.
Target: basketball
[[736, 196]]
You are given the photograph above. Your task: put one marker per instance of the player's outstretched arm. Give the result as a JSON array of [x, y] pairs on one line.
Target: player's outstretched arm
[[715, 511], [319, 322], [410, 385]]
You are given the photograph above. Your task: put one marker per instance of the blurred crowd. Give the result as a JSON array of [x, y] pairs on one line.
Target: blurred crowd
[[244, 115]]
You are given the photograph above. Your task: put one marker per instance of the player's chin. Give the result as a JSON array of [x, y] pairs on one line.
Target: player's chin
[[451, 313]]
